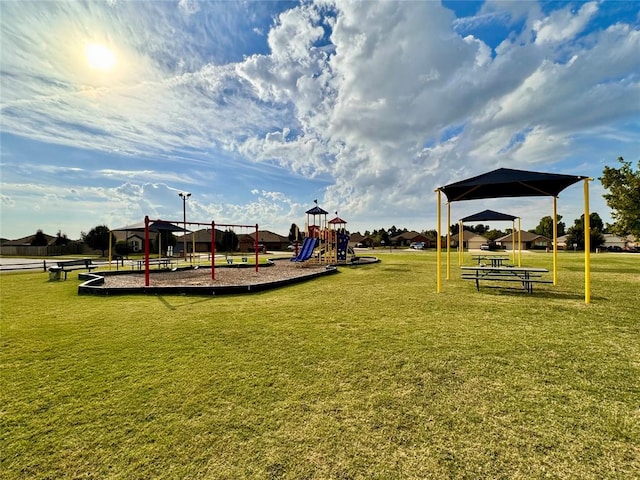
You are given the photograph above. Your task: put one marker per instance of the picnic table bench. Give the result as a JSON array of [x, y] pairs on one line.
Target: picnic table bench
[[527, 276], [66, 266]]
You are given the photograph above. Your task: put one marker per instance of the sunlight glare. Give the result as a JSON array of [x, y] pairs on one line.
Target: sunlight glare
[[100, 57]]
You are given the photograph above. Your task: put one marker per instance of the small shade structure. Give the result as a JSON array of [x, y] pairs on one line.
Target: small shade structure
[[507, 182], [487, 216], [313, 229], [155, 226]]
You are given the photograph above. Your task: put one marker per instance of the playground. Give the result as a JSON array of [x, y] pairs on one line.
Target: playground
[[324, 246]]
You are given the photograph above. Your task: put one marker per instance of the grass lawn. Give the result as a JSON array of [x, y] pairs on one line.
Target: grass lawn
[[368, 374]]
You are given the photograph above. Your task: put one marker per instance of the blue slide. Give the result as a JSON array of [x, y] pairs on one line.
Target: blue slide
[[306, 251]]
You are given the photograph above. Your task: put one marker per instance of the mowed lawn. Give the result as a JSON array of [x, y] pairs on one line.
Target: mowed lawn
[[368, 374]]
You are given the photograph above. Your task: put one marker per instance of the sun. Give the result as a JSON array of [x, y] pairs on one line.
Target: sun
[[99, 57]]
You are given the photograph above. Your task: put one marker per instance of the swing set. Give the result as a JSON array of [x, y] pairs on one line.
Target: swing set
[[213, 225]]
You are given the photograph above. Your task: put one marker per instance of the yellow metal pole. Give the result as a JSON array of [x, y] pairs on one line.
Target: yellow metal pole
[[587, 244], [110, 242], [448, 240], [555, 240], [193, 246], [438, 246], [460, 243], [519, 244], [513, 241]]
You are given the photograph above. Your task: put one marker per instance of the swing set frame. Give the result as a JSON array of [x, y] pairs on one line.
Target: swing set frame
[[213, 225]]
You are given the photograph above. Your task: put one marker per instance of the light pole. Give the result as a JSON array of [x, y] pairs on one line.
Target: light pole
[[184, 197]]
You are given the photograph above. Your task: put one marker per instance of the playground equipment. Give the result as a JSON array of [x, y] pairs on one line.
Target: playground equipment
[[213, 244], [157, 225], [325, 241]]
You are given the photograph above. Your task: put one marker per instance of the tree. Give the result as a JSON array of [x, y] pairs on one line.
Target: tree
[[294, 233], [98, 238], [545, 227], [575, 234], [39, 240], [480, 229], [623, 198], [167, 239], [229, 241], [61, 239], [494, 234], [384, 237]]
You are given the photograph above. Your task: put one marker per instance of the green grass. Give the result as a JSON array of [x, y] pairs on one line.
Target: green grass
[[368, 374]]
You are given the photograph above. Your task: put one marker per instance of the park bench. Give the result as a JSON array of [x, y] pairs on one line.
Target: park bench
[[66, 266]]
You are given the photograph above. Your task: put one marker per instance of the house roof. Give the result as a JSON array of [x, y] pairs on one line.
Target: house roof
[[487, 216], [467, 235], [408, 236], [28, 239], [201, 236], [267, 236], [524, 236], [507, 182]]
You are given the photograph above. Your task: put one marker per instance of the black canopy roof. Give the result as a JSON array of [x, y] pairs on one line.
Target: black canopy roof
[[156, 226], [316, 211], [487, 216], [507, 182]]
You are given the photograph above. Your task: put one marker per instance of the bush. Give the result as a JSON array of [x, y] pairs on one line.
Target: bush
[[123, 248]]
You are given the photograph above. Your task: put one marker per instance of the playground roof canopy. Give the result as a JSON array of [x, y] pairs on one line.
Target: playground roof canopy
[[156, 226], [337, 220], [507, 182], [488, 215], [316, 211]]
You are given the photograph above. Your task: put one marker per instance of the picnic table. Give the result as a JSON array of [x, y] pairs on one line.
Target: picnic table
[[494, 260], [160, 262], [525, 275]]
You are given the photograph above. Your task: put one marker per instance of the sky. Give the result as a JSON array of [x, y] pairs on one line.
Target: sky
[[110, 109]]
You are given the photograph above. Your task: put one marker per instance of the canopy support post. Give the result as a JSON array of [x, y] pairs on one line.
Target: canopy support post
[[519, 244], [438, 245], [110, 242], [555, 241], [513, 241], [587, 244], [460, 243], [448, 240], [146, 251]]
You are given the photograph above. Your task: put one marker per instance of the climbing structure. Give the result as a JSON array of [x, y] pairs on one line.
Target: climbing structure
[[326, 241]]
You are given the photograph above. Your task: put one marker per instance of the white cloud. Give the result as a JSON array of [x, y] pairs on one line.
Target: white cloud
[[377, 102], [564, 24]]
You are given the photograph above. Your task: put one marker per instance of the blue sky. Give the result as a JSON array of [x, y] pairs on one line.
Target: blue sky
[[258, 108]]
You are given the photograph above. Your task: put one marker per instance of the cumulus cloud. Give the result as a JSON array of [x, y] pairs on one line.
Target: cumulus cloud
[[378, 102]]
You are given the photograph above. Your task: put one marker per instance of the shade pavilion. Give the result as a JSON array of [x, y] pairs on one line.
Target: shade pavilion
[[507, 182]]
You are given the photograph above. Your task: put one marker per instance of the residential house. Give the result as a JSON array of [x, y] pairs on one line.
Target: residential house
[[407, 238], [528, 241], [614, 242], [355, 239], [470, 240], [135, 240], [22, 246]]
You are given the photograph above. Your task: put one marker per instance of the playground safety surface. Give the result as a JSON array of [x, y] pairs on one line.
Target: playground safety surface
[[229, 279]]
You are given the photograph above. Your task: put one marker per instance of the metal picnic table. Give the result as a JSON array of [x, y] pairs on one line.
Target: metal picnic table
[[494, 260], [525, 275]]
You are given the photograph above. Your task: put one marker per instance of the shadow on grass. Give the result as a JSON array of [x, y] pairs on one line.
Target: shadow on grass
[[170, 306], [500, 291]]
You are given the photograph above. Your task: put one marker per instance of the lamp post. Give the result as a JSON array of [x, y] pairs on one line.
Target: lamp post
[[184, 197]]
